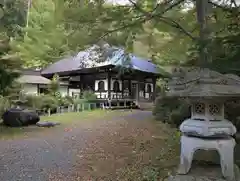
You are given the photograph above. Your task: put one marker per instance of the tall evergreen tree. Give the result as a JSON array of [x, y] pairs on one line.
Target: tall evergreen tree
[[11, 22]]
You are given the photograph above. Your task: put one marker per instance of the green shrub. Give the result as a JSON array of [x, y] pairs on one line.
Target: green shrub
[[79, 101], [48, 102], [14, 91], [178, 115], [232, 112], [89, 96], [4, 105], [69, 99], [41, 102], [54, 86], [164, 106], [65, 101], [171, 110], [34, 101]]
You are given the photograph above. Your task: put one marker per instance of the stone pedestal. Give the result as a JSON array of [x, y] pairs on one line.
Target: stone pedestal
[[225, 148]]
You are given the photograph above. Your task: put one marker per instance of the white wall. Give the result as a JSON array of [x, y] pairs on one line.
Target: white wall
[[30, 89], [63, 90], [105, 84], [147, 95], [33, 89], [105, 94], [71, 91], [120, 84], [146, 86]]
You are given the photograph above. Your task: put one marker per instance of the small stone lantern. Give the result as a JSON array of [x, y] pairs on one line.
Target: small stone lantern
[[207, 128]]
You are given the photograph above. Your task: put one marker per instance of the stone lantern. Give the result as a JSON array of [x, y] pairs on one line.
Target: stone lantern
[[207, 127]]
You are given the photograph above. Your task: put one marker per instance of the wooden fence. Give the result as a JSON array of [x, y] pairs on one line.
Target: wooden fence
[[72, 108]]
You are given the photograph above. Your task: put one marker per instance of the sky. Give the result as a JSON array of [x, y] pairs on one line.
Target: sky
[[123, 2]]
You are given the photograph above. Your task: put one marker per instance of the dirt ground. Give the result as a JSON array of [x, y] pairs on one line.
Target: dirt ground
[[127, 146]]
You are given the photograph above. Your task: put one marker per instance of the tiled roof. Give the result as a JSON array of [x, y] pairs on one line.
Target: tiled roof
[[34, 77], [85, 59], [134, 62], [66, 64]]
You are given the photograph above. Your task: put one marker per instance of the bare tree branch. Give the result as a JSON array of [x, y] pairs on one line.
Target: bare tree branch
[[137, 7], [175, 24], [233, 2], [194, 29], [154, 9], [140, 21], [225, 8], [148, 16], [169, 8], [165, 19]]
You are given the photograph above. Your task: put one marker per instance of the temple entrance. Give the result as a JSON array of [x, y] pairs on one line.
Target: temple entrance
[[88, 83]]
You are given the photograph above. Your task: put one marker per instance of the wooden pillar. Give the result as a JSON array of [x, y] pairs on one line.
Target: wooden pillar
[[130, 88], [38, 89], [137, 89], [154, 88], [122, 87], [81, 87], [109, 85], [144, 90]]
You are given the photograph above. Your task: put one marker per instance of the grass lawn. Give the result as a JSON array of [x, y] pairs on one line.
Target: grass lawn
[[64, 119], [73, 117]]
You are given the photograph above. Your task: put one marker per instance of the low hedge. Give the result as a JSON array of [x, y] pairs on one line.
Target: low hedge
[[4, 105], [232, 112], [45, 102], [171, 110]]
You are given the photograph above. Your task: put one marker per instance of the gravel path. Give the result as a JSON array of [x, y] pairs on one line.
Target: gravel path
[[34, 159]]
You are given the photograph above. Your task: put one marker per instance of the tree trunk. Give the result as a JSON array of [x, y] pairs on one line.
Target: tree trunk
[[202, 11]]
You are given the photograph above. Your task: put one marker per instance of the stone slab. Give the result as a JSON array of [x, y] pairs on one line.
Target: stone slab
[[47, 124]]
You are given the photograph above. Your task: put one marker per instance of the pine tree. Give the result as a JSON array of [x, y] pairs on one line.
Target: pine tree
[[10, 66]]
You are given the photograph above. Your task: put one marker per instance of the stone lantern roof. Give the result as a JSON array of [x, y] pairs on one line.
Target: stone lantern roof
[[196, 82]]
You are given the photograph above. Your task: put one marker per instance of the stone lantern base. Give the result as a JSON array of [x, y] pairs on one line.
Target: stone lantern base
[[225, 148]]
